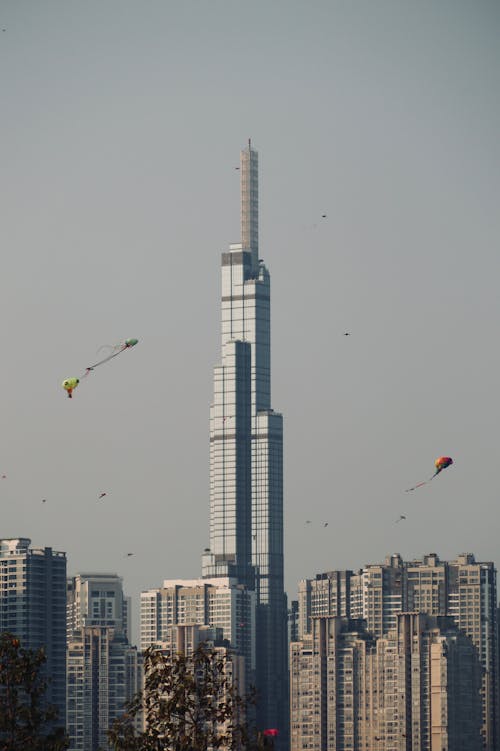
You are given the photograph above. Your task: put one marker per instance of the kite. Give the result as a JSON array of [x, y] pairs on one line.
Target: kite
[[441, 463], [70, 384]]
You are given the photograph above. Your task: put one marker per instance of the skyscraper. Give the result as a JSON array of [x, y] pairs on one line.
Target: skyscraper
[[33, 607], [246, 453]]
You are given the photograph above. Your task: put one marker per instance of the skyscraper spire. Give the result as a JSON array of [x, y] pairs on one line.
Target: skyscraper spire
[[249, 171]]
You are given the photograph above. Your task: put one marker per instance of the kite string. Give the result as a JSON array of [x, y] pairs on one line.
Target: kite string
[[106, 359]]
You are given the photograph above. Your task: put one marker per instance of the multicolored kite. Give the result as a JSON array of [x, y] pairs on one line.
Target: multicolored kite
[[441, 463], [71, 383]]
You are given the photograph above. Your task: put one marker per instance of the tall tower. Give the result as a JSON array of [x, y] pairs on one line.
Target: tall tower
[[246, 454]]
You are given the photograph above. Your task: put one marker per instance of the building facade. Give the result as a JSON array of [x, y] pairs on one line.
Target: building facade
[[103, 669], [416, 689], [224, 682], [103, 674], [221, 603], [33, 607], [96, 599], [464, 589], [246, 454]]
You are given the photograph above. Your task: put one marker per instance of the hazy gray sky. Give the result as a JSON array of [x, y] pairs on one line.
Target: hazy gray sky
[[120, 129]]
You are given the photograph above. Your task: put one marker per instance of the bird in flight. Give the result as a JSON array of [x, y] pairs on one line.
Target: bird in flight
[[127, 555], [401, 518], [44, 500], [101, 496]]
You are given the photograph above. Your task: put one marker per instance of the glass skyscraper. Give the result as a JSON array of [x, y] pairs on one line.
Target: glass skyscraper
[[246, 454]]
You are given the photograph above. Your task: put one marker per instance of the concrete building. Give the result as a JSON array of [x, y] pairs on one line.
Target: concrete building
[[33, 607], [246, 454], [464, 589], [416, 689], [220, 603], [438, 686], [96, 599], [103, 674], [185, 639], [104, 670], [328, 593], [229, 682], [331, 696]]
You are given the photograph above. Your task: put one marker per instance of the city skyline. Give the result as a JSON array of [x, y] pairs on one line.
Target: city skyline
[[119, 185], [455, 602]]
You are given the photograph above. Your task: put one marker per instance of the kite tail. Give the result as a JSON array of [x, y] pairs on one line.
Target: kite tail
[[419, 485]]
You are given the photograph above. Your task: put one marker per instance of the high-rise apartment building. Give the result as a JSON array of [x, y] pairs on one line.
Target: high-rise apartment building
[[103, 674], [96, 599], [229, 676], [246, 454], [220, 603], [464, 589], [416, 689], [185, 639], [438, 677], [33, 607], [103, 668]]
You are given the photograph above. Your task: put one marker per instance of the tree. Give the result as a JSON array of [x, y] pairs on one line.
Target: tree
[[190, 703], [26, 721]]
